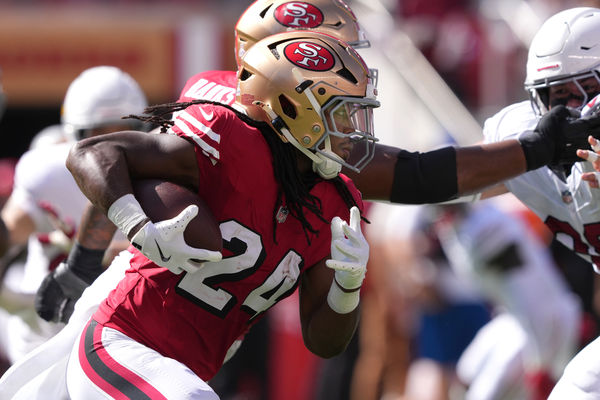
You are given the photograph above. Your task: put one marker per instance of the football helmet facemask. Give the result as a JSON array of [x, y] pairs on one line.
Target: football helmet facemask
[[309, 86], [268, 17], [98, 98], [565, 49]]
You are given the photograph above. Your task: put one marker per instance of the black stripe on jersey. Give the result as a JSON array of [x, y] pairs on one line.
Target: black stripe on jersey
[[104, 371]]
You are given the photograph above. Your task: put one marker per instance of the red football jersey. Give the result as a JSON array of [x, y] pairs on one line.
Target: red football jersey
[[219, 86], [194, 318]]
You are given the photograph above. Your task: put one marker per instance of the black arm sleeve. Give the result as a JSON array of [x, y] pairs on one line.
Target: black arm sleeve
[[421, 178]]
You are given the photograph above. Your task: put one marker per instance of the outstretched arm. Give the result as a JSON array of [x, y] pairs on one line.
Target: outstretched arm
[[400, 176], [416, 178], [481, 166]]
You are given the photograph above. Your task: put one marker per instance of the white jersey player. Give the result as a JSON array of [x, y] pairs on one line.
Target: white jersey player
[[566, 204], [563, 68], [43, 188], [45, 207]]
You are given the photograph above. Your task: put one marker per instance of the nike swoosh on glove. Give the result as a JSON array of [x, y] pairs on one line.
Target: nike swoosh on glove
[[163, 243]]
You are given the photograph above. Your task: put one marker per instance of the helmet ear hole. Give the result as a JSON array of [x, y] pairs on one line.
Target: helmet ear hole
[[245, 74], [287, 106], [347, 75]]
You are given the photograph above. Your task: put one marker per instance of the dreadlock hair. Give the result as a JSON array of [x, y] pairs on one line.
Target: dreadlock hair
[[293, 185]]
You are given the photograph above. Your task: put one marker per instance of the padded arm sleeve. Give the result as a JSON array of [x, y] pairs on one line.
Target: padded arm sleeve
[[425, 177]]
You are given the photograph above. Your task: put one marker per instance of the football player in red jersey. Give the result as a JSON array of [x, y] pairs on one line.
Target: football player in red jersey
[[304, 98], [262, 18]]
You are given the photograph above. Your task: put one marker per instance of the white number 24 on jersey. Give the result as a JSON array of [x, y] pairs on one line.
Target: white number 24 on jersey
[[246, 245]]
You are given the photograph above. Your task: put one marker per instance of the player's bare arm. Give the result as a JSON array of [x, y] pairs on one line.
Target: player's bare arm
[[96, 230], [104, 170], [477, 166], [325, 332], [104, 167], [329, 304], [415, 178]]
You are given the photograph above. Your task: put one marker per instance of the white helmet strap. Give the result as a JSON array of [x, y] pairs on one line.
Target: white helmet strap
[[326, 167], [331, 164]]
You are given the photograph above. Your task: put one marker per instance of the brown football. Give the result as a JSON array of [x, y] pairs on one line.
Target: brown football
[[163, 200]]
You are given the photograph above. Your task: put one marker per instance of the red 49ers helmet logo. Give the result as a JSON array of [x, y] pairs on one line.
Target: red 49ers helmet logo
[[309, 56], [298, 14]]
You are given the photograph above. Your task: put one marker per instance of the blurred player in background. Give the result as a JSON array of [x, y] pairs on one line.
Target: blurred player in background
[[418, 315], [523, 350], [432, 272], [45, 206]]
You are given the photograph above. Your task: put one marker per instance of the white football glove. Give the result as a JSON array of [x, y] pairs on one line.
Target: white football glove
[[162, 242], [349, 256]]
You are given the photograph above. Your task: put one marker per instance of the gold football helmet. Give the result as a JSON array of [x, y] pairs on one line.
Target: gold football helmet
[[308, 86], [268, 17]]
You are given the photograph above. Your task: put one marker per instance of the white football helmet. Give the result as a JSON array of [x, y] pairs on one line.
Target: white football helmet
[[565, 49], [100, 96], [308, 86]]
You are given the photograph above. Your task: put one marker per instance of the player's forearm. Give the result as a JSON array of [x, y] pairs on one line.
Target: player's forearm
[[481, 166], [375, 181], [100, 171], [405, 177], [328, 333], [96, 230]]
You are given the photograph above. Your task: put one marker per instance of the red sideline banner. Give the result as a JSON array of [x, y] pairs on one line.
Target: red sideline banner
[[41, 52]]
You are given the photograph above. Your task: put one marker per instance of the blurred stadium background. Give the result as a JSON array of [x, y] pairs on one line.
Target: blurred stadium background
[[444, 66]]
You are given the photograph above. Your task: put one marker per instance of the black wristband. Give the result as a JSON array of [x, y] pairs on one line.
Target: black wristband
[[85, 263], [425, 177]]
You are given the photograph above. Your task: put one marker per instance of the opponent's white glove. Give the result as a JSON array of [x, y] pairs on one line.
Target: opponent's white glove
[[161, 242], [349, 256]]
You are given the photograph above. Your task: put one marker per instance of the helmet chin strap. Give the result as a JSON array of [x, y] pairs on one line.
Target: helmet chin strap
[[324, 166], [328, 168]]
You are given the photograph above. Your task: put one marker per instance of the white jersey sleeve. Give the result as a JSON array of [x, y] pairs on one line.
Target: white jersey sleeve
[[510, 122], [41, 176], [567, 206]]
